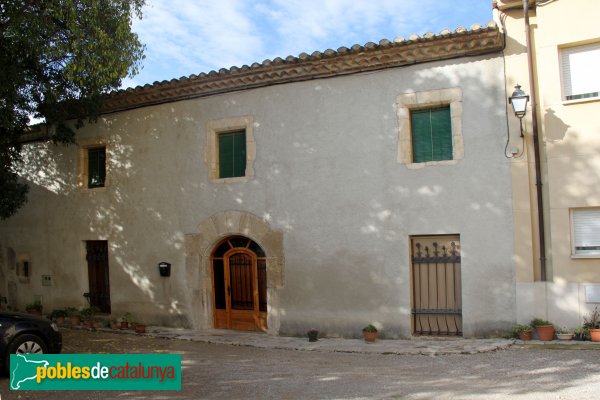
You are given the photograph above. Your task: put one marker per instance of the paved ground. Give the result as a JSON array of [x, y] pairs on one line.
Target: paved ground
[[227, 371]]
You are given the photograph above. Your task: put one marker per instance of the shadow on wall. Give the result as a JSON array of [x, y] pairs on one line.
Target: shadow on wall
[[140, 211]]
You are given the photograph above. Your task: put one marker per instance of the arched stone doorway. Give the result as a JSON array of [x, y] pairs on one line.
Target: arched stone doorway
[[239, 277], [200, 248]]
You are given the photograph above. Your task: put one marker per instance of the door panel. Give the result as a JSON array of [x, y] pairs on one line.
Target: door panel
[[436, 286], [241, 282], [98, 275], [239, 285]]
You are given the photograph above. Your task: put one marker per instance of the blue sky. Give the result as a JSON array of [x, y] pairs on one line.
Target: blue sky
[[185, 37]]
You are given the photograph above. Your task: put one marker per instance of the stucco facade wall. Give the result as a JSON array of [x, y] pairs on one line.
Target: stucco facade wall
[[326, 184], [570, 138]]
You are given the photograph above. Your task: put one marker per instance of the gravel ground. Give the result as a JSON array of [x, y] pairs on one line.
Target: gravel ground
[[212, 371]]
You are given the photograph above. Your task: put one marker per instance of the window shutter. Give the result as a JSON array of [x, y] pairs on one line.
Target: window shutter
[[586, 230], [431, 135], [441, 134], [239, 154], [421, 138], [580, 67], [232, 154]]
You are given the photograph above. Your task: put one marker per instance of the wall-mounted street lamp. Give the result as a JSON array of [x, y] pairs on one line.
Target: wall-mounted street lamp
[[519, 100]]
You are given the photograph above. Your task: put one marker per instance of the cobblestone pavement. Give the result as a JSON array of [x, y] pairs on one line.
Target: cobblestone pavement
[[238, 365]]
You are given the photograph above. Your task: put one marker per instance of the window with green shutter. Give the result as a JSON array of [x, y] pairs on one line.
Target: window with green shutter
[[232, 154], [96, 167], [431, 134]]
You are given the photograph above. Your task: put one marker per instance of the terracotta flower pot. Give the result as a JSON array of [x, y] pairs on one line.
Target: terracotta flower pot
[[75, 319], [370, 336], [525, 335], [595, 334], [124, 324], [140, 328], [545, 332]]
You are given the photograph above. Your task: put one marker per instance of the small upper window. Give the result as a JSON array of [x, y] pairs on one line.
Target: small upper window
[[586, 232], [580, 66], [232, 154], [230, 149], [96, 167], [431, 134]]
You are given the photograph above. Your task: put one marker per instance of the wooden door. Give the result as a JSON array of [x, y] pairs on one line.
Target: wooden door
[[436, 286], [239, 285], [242, 287], [97, 260]]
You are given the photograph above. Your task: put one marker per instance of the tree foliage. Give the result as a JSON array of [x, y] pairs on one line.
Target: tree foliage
[[58, 57]]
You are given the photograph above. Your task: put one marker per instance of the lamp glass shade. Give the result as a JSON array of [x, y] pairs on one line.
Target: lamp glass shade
[[519, 100]]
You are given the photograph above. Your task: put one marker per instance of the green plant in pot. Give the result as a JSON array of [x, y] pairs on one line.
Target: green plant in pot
[[34, 308], [564, 333], [74, 315], [58, 316], [125, 320], [522, 332], [312, 334], [592, 324], [87, 314], [370, 333], [544, 329], [581, 333]]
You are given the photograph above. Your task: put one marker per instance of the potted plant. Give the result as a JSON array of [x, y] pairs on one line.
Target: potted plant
[[87, 314], [114, 324], [74, 315], [125, 320], [544, 329], [581, 333], [593, 325], [522, 332], [564, 333], [312, 335], [34, 308], [58, 316], [139, 328], [370, 333]]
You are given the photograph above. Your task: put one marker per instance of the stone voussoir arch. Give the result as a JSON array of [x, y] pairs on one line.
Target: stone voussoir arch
[[229, 223]]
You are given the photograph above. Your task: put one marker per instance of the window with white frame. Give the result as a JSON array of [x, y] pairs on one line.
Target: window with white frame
[[580, 66], [586, 231]]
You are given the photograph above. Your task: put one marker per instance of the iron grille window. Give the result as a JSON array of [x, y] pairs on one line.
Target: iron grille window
[[431, 134], [232, 154], [96, 167]]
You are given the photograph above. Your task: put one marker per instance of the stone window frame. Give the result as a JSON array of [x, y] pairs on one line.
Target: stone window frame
[[406, 102], [213, 129], [84, 148], [23, 271]]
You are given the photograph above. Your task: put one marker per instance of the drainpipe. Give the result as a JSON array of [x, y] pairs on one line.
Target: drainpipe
[[536, 145]]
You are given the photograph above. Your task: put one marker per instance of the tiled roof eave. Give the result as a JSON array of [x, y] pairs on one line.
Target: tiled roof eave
[[358, 59]]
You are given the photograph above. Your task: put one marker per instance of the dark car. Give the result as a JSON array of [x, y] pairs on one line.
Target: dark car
[[25, 333]]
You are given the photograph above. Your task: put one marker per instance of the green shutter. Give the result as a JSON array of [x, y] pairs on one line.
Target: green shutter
[[421, 137], [232, 154], [431, 135], [96, 167]]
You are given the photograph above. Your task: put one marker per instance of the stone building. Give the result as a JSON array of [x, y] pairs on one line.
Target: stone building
[[332, 190]]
